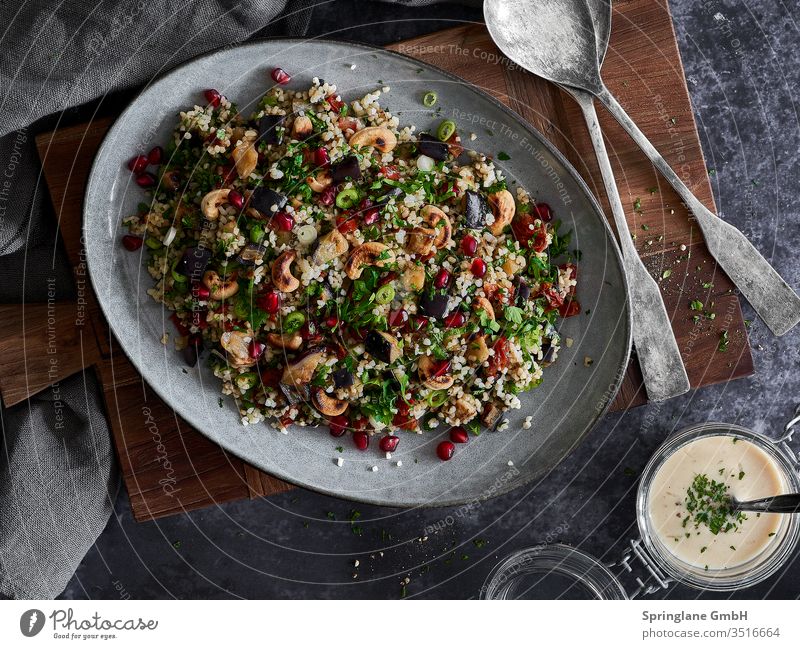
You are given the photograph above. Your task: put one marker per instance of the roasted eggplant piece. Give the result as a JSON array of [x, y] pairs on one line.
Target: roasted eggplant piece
[[522, 293], [193, 263], [491, 415], [264, 200], [271, 128], [251, 253], [394, 192], [343, 378], [382, 346], [434, 306], [346, 168], [295, 395], [476, 209], [548, 351], [432, 147]]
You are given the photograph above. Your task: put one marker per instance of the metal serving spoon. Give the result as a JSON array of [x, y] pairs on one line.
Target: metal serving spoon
[[784, 504], [659, 357], [555, 39]]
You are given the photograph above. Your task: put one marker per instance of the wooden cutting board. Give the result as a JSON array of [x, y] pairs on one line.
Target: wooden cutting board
[[168, 467]]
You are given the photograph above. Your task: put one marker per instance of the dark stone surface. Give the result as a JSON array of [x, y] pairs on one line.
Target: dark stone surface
[[742, 64]]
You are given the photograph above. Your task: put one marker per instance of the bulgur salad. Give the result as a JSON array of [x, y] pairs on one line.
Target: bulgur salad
[[345, 271]]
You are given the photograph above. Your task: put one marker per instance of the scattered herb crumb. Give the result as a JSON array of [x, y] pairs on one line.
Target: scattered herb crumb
[[502, 155], [666, 274], [723, 341]]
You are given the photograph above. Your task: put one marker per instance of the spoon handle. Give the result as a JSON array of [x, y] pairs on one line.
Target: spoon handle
[[659, 357], [772, 298], [785, 504]]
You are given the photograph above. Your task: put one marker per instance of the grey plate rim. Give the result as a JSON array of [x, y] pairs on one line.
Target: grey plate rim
[[541, 139]]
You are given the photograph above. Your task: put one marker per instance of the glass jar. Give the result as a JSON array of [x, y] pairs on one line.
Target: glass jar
[[646, 566]]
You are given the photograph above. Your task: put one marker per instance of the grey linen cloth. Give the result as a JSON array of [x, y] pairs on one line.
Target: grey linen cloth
[[57, 483]]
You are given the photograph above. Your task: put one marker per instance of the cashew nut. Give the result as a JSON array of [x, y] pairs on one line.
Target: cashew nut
[[414, 277], [245, 158], [421, 240], [220, 289], [438, 220], [329, 247], [302, 127], [302, 371], [427, 371], [211, 202], [320, 181], [477, 350], [282, 272], [378, 137], [327, 404], [503, 208], [236, 344], [285, 341], [371, 253], [482, 304]]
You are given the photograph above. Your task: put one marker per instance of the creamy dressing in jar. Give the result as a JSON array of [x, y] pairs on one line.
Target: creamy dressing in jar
[[726, 465]]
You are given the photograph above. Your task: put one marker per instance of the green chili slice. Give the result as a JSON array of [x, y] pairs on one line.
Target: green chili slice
[[153, 243], [179, 279], [257, 234], [346, 198], [384, 294], [446, 130], [429, 99], [293, 322]]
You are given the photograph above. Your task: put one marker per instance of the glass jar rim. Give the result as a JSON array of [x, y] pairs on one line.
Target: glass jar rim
[[671, 564], [553, 558]]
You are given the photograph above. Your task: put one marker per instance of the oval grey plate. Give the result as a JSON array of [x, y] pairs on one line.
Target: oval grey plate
[[563, 409]]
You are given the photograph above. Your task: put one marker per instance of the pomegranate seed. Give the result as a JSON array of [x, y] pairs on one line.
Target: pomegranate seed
[[255, 349], [328, 196], [361, 440], [442, 279], [138, 164], [270, 302], [338, 425], [236, 199], [371, 216], [279, 75], [455, 320], [445, 450], [213, 97], [331, 321], [459, 435], [389, 443], [283, 221], [132, 243], [478, 267], [543, 211], [441, 368], [201, 292], [145, 180], [155, 155], [321, 157], [398, 318], [469, 245]]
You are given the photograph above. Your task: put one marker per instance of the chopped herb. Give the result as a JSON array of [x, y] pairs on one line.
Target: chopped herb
[[652, 190], [696, 305], [666, 274], [637, 204], [722, 346], [479, 543], [709, 504], [340, 449], [645, 227], [708, 285], [502, 155]]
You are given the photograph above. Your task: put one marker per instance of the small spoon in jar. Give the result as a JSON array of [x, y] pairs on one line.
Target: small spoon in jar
[[783, 504]]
